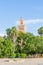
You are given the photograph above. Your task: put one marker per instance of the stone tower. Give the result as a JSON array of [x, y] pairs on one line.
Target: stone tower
[[22, 26]]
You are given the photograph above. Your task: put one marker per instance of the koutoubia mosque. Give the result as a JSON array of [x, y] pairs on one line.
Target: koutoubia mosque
[[22, 26]]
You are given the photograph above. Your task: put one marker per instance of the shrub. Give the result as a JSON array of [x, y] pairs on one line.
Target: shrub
[[1, 56], [15, 55], [23, 55]]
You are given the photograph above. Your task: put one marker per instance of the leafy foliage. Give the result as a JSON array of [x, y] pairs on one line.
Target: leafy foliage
[[19, 44]]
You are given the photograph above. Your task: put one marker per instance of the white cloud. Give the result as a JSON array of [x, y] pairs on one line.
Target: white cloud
[[31, 21], [1, 34], [34, 21]]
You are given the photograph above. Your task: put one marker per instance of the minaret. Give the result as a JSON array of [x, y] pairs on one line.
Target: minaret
[[22, 26]]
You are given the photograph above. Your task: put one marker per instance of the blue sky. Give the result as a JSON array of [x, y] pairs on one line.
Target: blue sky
[[11, 12]]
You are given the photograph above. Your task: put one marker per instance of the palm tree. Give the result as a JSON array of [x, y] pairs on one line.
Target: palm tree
[[14, 33], [40, 31], [8, 31]]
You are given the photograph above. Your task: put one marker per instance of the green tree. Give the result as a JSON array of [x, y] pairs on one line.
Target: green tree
[[1, 47], [8, 31], [40, 31], [9, 48], [12, 33]]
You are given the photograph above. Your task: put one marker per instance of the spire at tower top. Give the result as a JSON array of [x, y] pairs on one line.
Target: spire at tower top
[[22, 21]]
